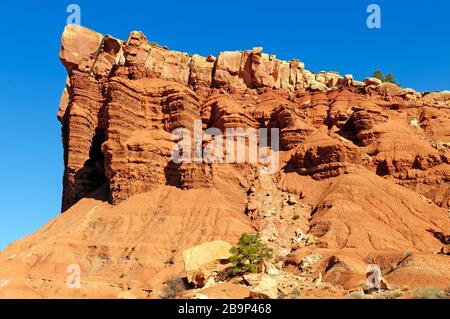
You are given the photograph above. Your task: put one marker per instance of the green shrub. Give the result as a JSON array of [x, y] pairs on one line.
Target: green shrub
[[249, 254], [388, 78], [379, 75]]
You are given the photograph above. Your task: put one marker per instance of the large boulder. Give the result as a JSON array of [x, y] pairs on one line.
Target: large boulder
[[78, 47], [203, 261]]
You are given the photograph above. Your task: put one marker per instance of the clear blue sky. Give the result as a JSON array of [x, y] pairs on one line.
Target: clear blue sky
[[413, 44]]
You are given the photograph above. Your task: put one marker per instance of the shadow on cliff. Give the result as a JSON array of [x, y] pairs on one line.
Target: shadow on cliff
[[172, 174], [89, 181], [349, 132]]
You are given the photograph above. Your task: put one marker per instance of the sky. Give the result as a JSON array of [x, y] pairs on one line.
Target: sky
[[413, 43]]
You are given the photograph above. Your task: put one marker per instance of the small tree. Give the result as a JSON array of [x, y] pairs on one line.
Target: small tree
[[379, 75], [249, 254], [388, 78]]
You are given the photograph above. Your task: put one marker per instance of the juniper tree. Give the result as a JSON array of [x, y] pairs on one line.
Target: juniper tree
[[249, 254]]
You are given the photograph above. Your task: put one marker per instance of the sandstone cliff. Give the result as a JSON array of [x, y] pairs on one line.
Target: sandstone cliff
[[364, 171]]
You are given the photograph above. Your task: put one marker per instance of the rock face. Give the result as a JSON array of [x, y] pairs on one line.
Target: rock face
[[123, 99], [363, 172]]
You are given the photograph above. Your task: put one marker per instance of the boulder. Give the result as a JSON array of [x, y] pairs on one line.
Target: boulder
[[329, 79], [202, 261], [372, 81], [389, 88], [348, 76], [409, 94], [358, 84], [269, 268], [262, 286], [437, 98], [78, 47], [318, 86]]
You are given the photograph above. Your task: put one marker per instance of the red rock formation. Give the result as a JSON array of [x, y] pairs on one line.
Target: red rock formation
[[363, 165], [116, 89]]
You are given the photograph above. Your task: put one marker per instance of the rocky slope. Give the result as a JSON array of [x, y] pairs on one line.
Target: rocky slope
[[364, 173]]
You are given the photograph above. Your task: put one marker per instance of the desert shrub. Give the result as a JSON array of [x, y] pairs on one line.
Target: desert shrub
[[172, 287], [249, 254], [426, 293]]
